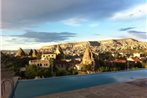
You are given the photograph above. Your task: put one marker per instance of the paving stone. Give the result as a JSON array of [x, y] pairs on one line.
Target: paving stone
[[118, 90]]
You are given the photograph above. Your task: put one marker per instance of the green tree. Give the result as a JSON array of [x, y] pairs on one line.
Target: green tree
[[32, 71], [72, 71], [61, 71], [86, 68]]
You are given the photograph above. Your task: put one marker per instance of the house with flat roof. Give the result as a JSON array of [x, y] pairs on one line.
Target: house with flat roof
[[40, 63], [48, 56]]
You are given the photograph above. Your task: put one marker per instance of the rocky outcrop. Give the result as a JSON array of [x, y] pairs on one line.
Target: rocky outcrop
[[88, 58], [20, 53], [34, 53], [58, 50], [101, 46], [30, 52]]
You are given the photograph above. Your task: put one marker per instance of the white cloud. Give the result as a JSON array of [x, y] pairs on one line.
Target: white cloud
[[136, 37], [133, 13], [13, 43], [76, 21], [21, 14], [140, 35]]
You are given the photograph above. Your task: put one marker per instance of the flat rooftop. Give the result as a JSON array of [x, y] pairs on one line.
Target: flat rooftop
[[134, 89]]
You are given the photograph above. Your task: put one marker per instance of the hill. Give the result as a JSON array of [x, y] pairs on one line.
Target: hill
[[101, 46]]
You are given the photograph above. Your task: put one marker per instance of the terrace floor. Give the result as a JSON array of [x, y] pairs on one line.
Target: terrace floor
[[135, 89]]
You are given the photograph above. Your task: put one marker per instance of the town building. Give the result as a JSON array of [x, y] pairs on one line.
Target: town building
[[136, 54], [51, 55], [48, 56], [45, 58], [40, 63]]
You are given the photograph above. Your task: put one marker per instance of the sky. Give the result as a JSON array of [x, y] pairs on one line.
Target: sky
[[36, 23]]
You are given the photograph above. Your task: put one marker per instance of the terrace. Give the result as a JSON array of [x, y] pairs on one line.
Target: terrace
[[84, 86]]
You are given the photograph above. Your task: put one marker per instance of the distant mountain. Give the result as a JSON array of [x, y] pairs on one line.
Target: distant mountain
[[104, 45]]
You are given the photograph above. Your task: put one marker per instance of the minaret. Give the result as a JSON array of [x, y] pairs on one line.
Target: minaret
[[20, 53], [88, 57]]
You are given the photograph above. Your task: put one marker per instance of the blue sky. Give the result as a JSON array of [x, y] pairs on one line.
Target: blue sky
[[35, 23]]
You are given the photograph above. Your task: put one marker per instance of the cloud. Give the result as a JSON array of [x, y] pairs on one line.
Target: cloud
[[13, 43], [32, 39], [47, 36], [138, 34], [132, 13], [74, 21], [27, 13], [126, 29]]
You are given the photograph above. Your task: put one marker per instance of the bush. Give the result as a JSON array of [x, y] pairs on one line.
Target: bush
[[61, 72], [31, 71], [72, 71], [86, 68], [144, 65], [103, 69]]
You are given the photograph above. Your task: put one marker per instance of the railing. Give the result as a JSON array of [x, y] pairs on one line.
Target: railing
[[5, 92]]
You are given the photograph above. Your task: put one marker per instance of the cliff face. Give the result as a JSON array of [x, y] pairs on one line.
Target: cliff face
[[104, 45], [123, 44]]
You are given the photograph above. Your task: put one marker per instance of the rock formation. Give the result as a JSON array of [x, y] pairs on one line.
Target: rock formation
[[58, 50], [101, 46], [20, 53], [34, 53], [59, 53], [88, 57], [30, 52]]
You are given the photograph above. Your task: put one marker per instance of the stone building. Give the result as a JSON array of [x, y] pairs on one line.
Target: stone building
[[136, 55], [40, 63], [48, 56], [51, 55], [45, 58]]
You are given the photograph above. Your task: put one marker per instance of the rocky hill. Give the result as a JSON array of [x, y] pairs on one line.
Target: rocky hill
[[101, 46]]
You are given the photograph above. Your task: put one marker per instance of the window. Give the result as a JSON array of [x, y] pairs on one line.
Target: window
[[40, 64]]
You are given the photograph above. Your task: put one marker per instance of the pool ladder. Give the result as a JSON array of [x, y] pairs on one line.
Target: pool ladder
[[5, 93]]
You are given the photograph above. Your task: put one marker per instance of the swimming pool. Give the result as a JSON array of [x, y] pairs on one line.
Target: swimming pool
[[32, 88]]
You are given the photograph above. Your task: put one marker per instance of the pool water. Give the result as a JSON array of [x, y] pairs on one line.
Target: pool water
[[39, 87]]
